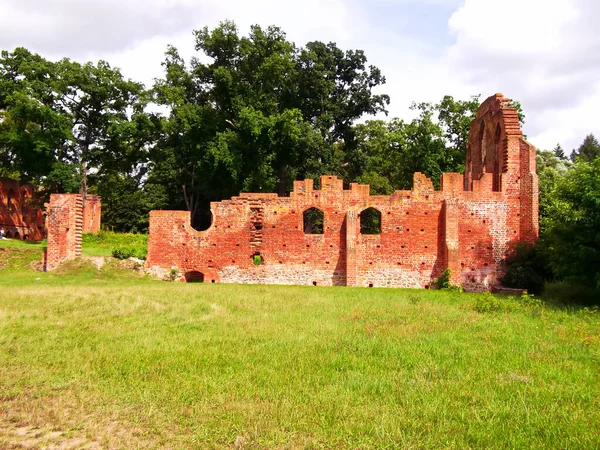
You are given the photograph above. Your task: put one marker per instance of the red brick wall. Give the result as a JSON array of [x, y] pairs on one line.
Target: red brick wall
[[18, 217], [91, 214], [468, 226], [65, 225]]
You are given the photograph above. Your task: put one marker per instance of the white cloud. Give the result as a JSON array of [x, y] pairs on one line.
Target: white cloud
[[76, 27], [546, 54]]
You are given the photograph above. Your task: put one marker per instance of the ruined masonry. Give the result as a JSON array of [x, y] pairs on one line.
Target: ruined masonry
[[19, 218], [68, 217], [468, 226]]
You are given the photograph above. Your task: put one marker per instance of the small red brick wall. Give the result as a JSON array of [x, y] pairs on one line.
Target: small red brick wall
[[467, 226], [65, 225], [18, 217], [91, 214]]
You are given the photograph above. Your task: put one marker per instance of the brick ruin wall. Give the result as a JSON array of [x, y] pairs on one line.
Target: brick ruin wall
[[92, 209], [68, 217], [19, 217], [468, 226]]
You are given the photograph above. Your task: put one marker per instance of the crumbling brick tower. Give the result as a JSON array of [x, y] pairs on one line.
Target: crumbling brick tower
[[68, 217], [65, 226], [469, 226], [497, 148]]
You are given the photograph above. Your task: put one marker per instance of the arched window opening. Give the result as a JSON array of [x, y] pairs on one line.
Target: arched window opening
[[479, 157], [194, 277], [9, 197], [498, 155], [257, 259], [313, 221], [370, 221]]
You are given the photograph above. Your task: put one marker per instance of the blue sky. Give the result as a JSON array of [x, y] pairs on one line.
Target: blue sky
[[544, 53]]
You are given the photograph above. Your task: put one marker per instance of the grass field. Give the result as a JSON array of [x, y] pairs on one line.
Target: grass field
[[109, 359]]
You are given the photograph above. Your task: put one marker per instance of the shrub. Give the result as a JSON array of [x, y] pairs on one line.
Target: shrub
[[122, 253], [128, 252], [487, 303], [567, 293], [443, 282], [526, 269]]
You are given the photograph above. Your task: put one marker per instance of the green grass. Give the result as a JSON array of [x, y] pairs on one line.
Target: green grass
[[105, 242], [128, 362]]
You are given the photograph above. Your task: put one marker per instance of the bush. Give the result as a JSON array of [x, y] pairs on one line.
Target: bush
[[487, 303], [568, 293], [128, 252], [527, 269], [443, 282]]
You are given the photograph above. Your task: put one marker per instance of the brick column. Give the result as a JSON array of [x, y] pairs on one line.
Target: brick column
[[451, 239], [351, 248], [65, 225]]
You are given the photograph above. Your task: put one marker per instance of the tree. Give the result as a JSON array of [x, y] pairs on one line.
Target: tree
[[376, 159], [571, 240], [333, 88], [61, 119], [259, 114], [559, 152], [33, 132], [588, 150], [550, 170], [96, 99], [455, 117]]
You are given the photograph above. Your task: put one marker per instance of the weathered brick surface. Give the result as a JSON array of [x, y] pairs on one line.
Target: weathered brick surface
[[18, 217], [92, 209], [65, 226], [468, 226]]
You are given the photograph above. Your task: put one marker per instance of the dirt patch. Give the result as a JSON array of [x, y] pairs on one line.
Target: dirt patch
[[24, 437], [67, 423]]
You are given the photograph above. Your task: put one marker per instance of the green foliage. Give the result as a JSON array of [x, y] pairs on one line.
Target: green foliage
[[444, 283], [387, 154], [517, 105], [129, 252], [571, 241], [257, 260], [370, 221], [313, 221], [588, 150], [527, 268], [118, 245], [488, 303], [257, 115], [559, 152], [570, 294], [59, 120]]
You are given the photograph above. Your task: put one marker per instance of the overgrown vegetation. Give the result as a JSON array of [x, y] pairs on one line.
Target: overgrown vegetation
[[444, 282], [566, 258], [119, 245]]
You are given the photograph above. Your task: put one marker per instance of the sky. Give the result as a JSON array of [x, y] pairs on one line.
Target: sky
[[543, 53]]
